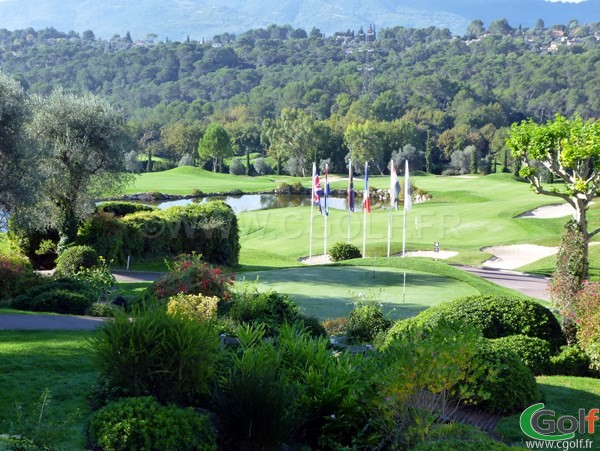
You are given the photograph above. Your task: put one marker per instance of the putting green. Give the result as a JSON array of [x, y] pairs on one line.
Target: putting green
[[327, 291]]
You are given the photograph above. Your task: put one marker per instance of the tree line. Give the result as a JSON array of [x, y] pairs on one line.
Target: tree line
[[294, 96]]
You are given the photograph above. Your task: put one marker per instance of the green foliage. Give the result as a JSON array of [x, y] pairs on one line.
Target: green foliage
[[194, 306], [142, 423], [587, 307], [534, 352], [121, 209], [497, 316], [341, 251], [461, 437], [66, 296], [189, 274], [294, 388], [506, 385], [215, 144], [366, 321], [571, 361], [571, 270], [270, 309], [209, 229], [16, 276], [167, 356], [236, 167], [74, 258]]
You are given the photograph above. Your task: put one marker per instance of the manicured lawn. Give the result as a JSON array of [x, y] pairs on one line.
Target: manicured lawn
[[329, 291], [30, 363], [563, 394], [183, 180]]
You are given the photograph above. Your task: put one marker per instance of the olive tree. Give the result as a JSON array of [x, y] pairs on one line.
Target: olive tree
[[215, 144], [569, 149], [83, 141], [18, 175]]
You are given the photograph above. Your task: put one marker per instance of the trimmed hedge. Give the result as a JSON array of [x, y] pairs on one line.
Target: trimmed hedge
[[496, 316], [209, 229], [142, 423]]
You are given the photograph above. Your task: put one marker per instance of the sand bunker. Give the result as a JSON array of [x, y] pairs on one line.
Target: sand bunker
[[442, 255], [549, 211], [515, 256], [316, 260]]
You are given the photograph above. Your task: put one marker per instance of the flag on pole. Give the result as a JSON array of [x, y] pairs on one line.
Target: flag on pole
[[394, 187], [316, 188], [407, 193], [326, 191], [350, 187], [366, 195]]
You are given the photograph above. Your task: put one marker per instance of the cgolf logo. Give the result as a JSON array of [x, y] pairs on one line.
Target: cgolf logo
[[542, 424]]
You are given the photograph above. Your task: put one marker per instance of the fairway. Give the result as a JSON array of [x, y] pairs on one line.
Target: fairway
[[327, 291]]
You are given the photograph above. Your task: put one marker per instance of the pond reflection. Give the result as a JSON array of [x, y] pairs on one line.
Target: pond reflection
[[253, 202]]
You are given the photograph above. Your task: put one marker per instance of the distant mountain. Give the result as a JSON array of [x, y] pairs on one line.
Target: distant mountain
[[177, 19]]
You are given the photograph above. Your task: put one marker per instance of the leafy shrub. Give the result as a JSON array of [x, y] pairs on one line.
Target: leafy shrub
[[16, 275], [284, 188], [498, 316], [587, 307], [571, 361], [66, 296], [236, 167], [106, 234], [366, 321], [262, 167], [121, 209], [344, 251], [312, 326], [336, 326], [27, 241], [188, 274], [271, 309], [167, 356], [534, 352], [194, 306], [186, 160], [142, 423], [458, 437], [72, 259], [101, 309], [506, 385]]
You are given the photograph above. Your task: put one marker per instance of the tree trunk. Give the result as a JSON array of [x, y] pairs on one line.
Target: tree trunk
[[579, 216]]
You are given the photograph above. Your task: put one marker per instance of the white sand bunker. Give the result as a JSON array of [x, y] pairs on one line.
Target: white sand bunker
[[316, 260], [442, 255], [549, 211], [515, 256]]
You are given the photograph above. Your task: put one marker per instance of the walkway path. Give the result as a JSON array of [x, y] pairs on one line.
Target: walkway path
[[530, 285]]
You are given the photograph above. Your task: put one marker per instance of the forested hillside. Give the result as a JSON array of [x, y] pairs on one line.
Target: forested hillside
[[421, 92]]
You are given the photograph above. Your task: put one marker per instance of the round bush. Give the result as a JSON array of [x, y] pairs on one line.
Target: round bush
[[16, 275], [500, 381], [365, 322], [498, 316], [72, 259], [66, 296], [237, 167], [344, 251], [142, 423], [534, 352]]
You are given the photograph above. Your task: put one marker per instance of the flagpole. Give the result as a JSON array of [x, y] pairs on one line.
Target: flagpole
[[364, 233], [326, 213], [312, 213], [389, 232], [366, 206], [349, 195], [404, 230]]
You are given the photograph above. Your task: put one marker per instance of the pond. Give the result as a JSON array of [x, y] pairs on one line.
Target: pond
[[253, 202]]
